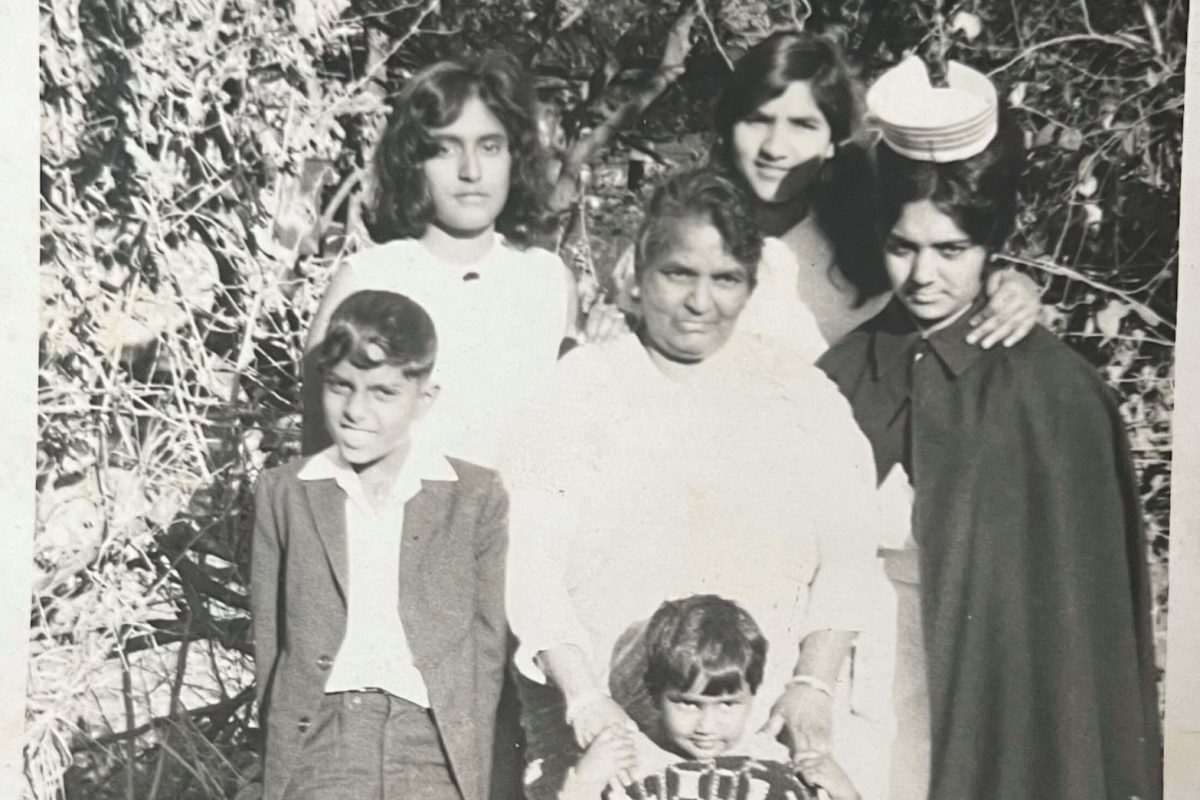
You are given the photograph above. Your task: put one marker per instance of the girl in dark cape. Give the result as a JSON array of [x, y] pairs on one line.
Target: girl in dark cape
[[1034, 589]]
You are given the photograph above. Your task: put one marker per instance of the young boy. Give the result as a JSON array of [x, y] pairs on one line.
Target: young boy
[[377, 584], [704, 659]]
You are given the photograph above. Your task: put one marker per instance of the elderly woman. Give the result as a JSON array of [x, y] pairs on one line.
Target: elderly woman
[[1033, 576], [686, 458]]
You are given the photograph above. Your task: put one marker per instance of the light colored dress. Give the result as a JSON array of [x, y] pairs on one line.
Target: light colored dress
[[750, 480], [804, 303], [499, 324], [808, 261]]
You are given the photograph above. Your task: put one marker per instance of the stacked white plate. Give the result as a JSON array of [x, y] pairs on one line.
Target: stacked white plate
[[930, 123]]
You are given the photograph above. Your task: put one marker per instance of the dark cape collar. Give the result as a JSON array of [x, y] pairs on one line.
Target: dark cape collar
[[896, 341]]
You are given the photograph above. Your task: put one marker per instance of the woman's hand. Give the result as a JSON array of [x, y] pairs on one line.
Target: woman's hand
[[819, 770], [589, 708], [805, 716], [600, 321], [604, 321], [1014, 303], [612, 754], [593, 716]]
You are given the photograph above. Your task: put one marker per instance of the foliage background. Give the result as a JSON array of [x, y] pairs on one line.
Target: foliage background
[[203, 169]]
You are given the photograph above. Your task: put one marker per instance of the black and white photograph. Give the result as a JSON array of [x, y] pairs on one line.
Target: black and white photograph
[[601, 400]]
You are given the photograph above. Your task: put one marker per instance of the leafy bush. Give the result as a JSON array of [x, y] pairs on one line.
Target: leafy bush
[[203, 169]]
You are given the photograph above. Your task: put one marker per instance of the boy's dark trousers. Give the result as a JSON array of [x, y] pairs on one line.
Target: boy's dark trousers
[[372, 746]]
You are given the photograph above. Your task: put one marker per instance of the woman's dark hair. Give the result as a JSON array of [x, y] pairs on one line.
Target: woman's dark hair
[[978, 193], [433, 99], [841, 199], [705, 194], [371, 328], [703, 635]]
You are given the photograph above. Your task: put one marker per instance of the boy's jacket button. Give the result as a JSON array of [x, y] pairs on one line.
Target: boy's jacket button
[[305, 724], [325, 662]]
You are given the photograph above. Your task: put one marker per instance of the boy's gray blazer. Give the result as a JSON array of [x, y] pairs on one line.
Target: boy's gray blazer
[[451, 604]]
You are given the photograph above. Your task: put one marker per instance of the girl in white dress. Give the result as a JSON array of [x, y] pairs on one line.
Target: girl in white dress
[[460, 192]]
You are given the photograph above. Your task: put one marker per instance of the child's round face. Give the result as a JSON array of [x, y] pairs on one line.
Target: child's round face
[[935, 268], [702, 726], [468, 176], [369, 413]]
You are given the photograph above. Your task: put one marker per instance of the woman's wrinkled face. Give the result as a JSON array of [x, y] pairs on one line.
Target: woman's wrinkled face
[[779, 148], [935, 268], [691, 293]]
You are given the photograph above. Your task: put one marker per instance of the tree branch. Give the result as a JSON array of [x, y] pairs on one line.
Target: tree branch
[[231, 633], [712, 32], [1102, 38], [208, 587], [670, 68], [1050, 267], [130, 716], [216, 711]]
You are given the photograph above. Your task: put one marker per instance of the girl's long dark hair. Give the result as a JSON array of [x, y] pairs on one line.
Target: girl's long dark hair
[[434, 98], [843, 199]]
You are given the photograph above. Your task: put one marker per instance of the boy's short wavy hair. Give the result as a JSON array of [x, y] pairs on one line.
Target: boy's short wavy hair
[[701, 193], [703, 636], [434, 98], [371, 328]]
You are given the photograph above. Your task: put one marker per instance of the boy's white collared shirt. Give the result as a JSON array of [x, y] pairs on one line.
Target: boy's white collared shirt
[[375, 651]]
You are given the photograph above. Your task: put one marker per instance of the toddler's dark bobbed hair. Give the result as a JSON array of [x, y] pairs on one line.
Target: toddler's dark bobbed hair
[[433, 99], [703, 636], [372, 328]]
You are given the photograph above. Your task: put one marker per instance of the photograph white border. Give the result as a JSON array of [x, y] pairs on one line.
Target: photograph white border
[[19, 325]]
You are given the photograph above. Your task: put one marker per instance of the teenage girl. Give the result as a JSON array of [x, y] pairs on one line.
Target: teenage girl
[[460, 194]]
